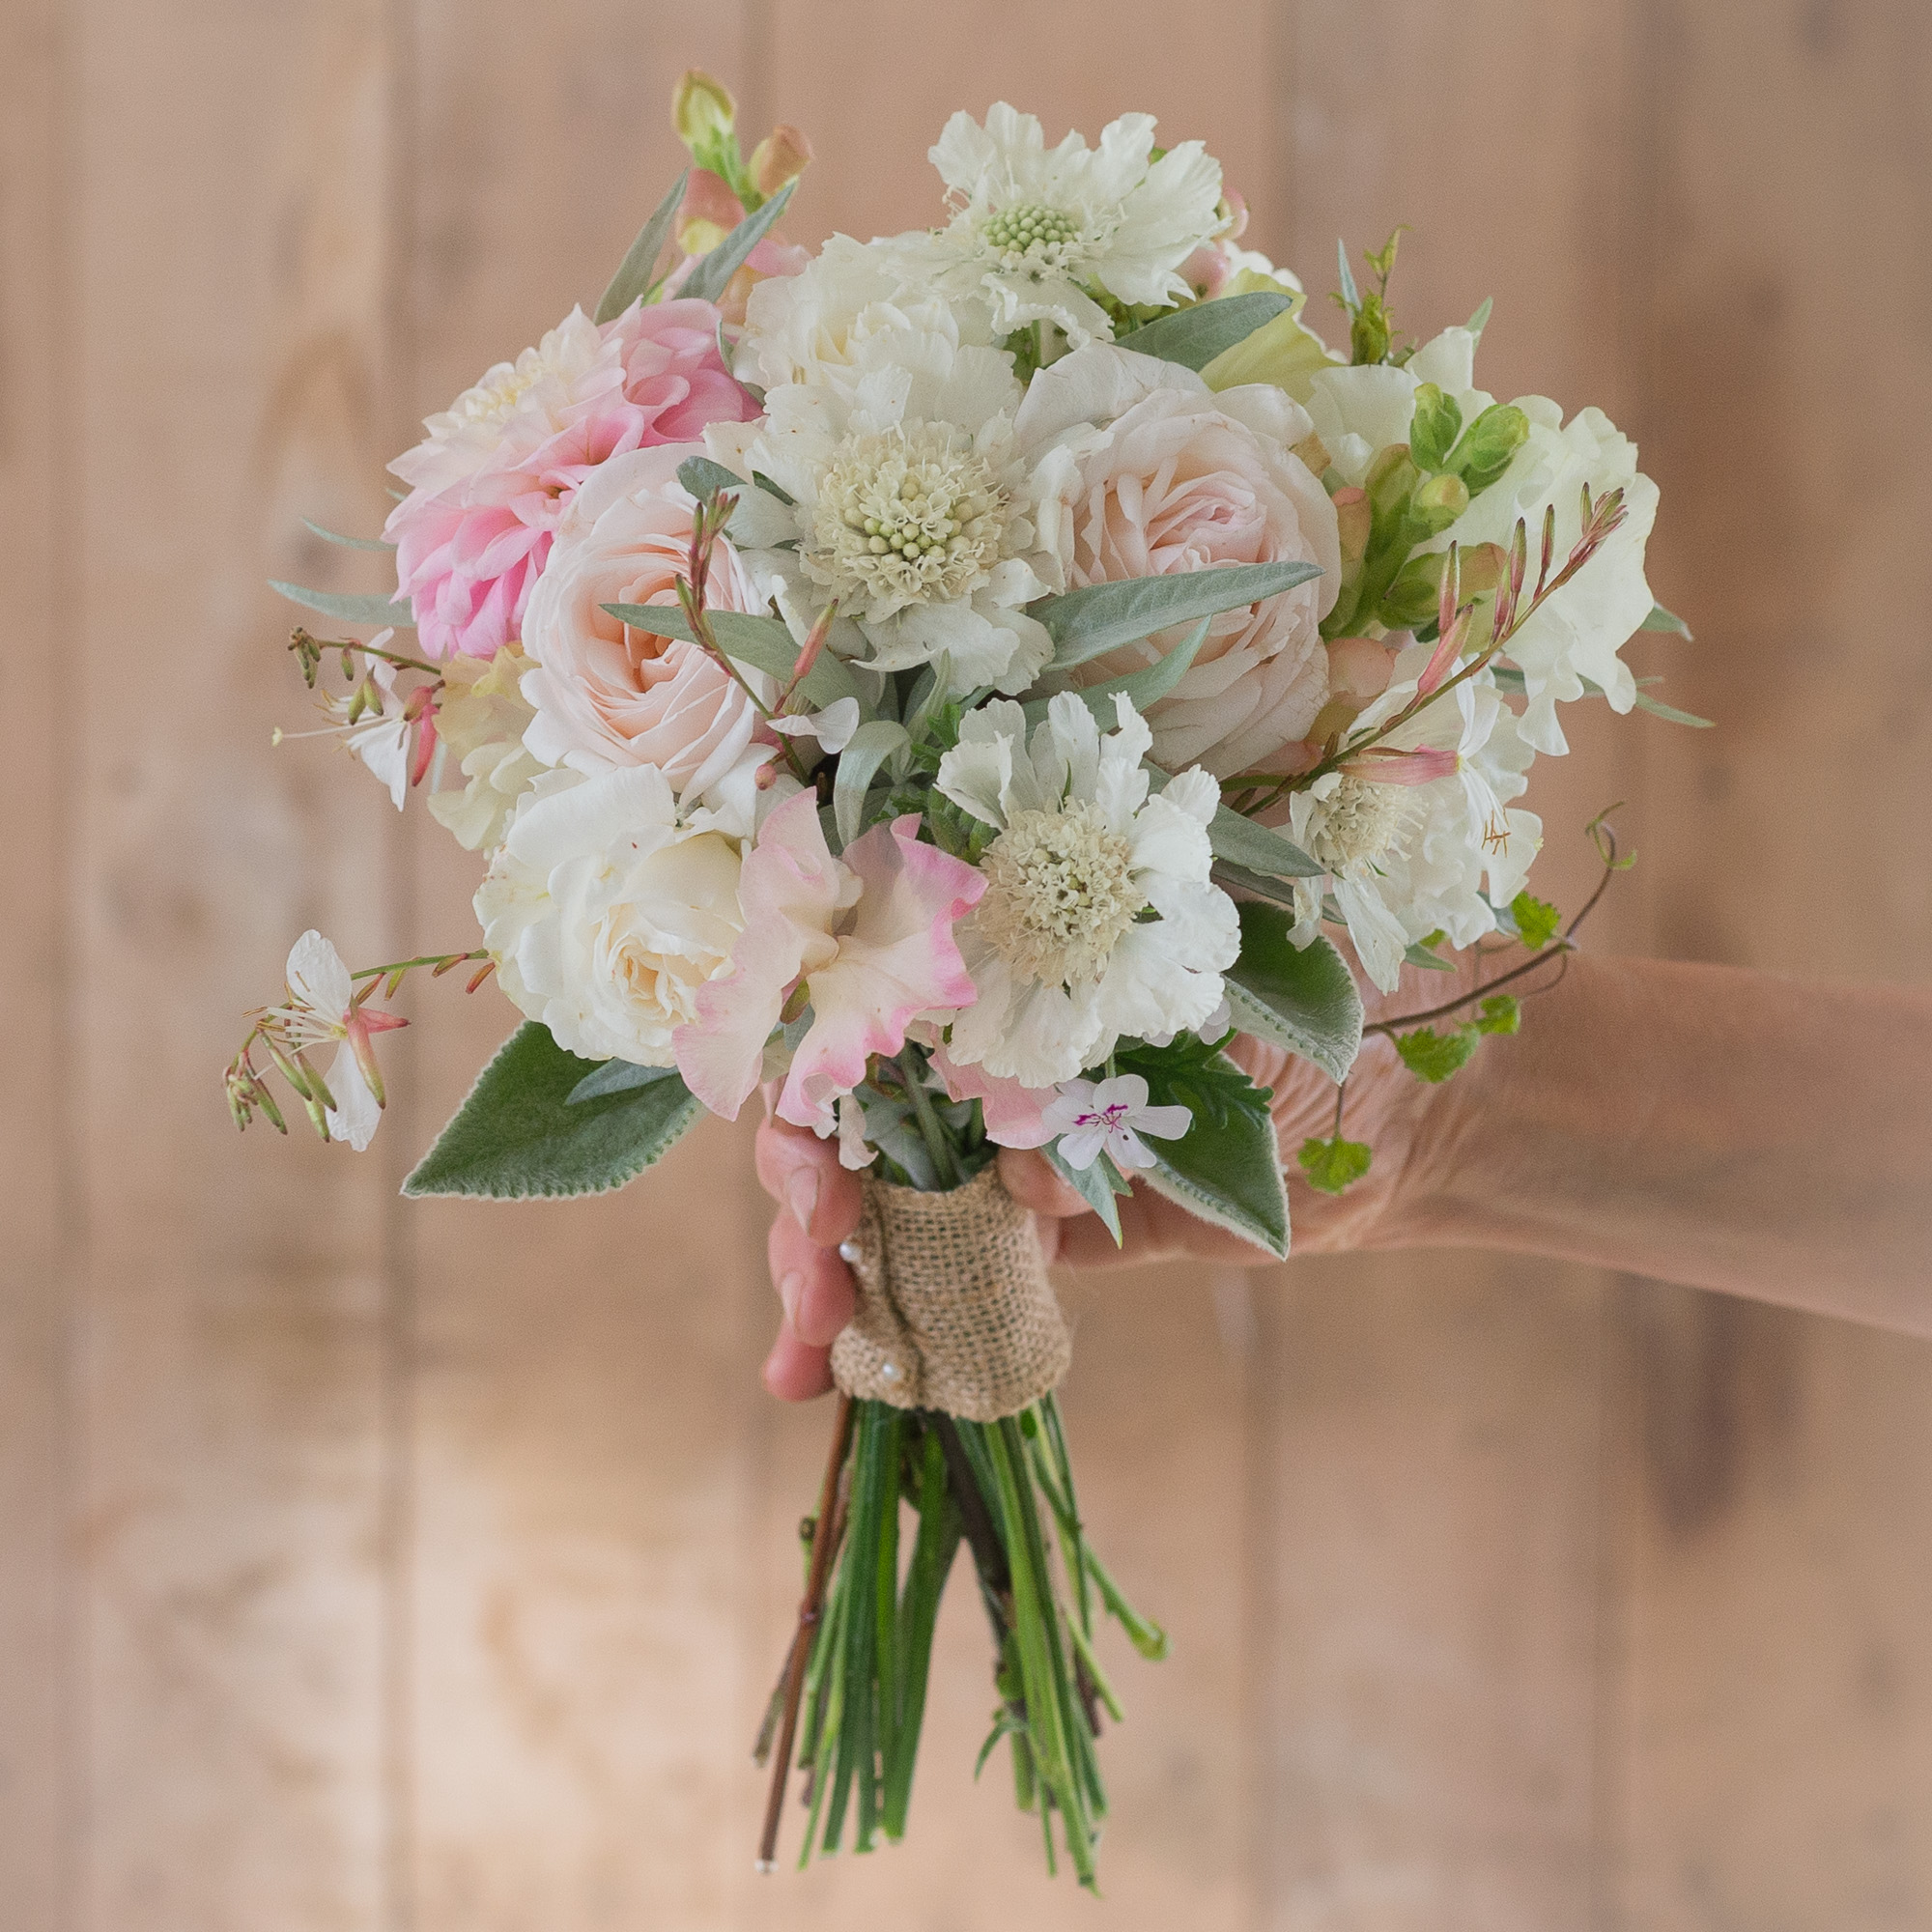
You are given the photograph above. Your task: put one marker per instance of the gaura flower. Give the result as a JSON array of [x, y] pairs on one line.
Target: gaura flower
[[481, 718], [1098, 919], [912, 505], [322, 1006], [492, 480], [866, 938], [1409, 834], [1036, 228], [1090, 1116], [605, 694], [606, 915], [1145, 472]]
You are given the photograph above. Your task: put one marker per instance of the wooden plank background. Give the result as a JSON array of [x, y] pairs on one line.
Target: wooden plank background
[[371, 1569]]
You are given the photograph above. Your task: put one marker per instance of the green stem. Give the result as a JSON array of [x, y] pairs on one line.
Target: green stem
[[937, 1144]]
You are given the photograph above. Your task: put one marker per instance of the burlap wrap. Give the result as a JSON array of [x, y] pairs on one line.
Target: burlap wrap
[[956, 1312]]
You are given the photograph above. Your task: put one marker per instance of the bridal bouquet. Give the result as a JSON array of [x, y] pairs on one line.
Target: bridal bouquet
[[956, 682]]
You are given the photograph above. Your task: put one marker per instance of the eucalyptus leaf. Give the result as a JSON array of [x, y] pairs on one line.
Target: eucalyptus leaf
[[1480, 321], [328, 535], [617, 1076], [1142, 689], [1083, 623], [1660, 619], [636, 274], [762, 643], [872, 746], [704, 478], [517, 1136], [1670, 714], [1302, 998], [351, 607], [712, 275], [1239, 879], [1194, 336], [1347, 275]]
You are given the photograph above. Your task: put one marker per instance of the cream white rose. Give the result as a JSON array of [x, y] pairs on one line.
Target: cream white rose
[[606, 916]]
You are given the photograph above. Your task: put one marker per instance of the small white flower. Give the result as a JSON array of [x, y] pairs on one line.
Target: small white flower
[[1035, 227], [1110, 1113], [322, 1006], [1098, 919], [832, 729]]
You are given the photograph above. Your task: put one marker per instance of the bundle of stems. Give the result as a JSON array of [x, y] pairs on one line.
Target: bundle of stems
[[848, 1709]]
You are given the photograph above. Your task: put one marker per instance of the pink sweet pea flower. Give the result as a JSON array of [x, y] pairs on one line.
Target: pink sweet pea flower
[[1014, 1113], [869, 935], [499, 466]]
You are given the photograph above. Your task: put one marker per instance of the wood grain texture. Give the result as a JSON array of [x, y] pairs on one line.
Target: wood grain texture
[[38, 1239], [230, 1451]]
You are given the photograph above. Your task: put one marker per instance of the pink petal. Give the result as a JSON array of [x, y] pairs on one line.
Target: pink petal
[[1014, 1113]]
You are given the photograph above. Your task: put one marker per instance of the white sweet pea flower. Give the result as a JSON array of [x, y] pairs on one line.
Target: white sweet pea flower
[[912, 505], [1410, 832], [1036, 228], [1361, 409], [1112, 1115], [1098, 919]]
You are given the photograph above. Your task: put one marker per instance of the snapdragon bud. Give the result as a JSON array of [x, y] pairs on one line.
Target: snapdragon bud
[[702, 110], [1439, 502], [780, 157]]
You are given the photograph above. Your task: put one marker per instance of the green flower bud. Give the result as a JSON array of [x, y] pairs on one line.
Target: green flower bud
[[702, 110], [1436, 424], [1485, 449], [1439, 502]]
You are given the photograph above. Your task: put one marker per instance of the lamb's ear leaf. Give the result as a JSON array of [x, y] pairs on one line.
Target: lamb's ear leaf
[[1302, 998], [518, 1137], [328, 535], [617, 1076], [713, 272], [1094, 1183], [1194, 336], [1258, 848], [1102, 616], [762, 643], [351, 607], [704, 478], [635, 272], [1225, 1169], [1140, 687]]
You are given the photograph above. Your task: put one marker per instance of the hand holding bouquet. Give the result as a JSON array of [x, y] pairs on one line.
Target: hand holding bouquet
[[953, 682]]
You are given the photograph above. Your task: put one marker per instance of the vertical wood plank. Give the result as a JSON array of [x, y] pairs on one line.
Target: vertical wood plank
[[1431, 1452], [229, 218], [37, 1245], [586, 1411], [1775, 1723]]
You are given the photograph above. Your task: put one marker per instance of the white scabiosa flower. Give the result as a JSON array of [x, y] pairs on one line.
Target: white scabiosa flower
[[1036, 228], [912, 505], [1098, 919], [1409, 834]]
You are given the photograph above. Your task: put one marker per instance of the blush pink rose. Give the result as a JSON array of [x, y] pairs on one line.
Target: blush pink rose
[[1175, 477], [605, 694], [492, 480]]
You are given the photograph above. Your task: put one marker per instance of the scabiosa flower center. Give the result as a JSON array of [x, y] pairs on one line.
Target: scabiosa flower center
[[912, 516], [1031, 233], [1359, 820], [1060, 894]]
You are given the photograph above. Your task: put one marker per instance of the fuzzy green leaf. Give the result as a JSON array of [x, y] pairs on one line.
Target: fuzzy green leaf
[[1535, 921], [1225, 1169], [328, 535], [1083, 623], [704, 478], [713, 272], [1660, 619], [762, 643], [637, 272], [517, 1136], [1670, 714], [1194, 336], [351, 607], [1333, 1165], [1423, 953], [1302, 998], [1257, 848], [1141, 688], [1433, 1056], [617, 1076], [1094, 1184]]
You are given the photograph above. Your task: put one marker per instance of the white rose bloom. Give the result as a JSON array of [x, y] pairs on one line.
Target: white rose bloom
[[1578, 631], [912, 505], [480, 720], [1063, 956], [1359, 410], [1035, 226], [1408, 859], [606, 916], [807, 327]]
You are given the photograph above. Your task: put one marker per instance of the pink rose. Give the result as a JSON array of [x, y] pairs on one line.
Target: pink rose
[[1178, 478], [493, 478], [605, 694]]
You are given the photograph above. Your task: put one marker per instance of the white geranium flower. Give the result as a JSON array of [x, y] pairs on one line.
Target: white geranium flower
[[606, 915], [1408, 832], [1035, 227], [912, 505], [1090, 1116], [1098, 919], [1578, 631]]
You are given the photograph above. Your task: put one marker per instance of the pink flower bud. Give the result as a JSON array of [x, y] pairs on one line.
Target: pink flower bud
[[783, 155]]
